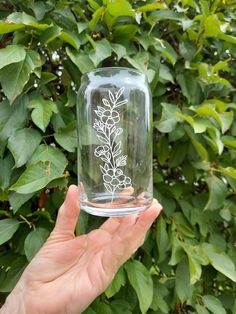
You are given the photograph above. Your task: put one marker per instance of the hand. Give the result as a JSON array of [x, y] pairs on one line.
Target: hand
[[69, 272]]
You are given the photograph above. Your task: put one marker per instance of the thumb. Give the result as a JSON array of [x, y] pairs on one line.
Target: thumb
[[68, 213]]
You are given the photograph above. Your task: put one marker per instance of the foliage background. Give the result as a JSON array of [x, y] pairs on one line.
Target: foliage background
[[187, 49]]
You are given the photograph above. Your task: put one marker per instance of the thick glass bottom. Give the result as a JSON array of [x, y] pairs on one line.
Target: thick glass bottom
[[118, 206]]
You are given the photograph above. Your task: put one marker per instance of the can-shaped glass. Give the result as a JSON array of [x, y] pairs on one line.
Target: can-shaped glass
[[114, 117]]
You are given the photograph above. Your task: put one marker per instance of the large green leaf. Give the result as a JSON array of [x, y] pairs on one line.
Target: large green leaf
[[13, 77], [169, 118], [67, 137], [182, 281], [141, 281], [33, 242], [220, 261], [22, 143], [36, 177], [42, 112], [18, 20], [6, 165], [102, 51], [8, 227], [118, 281], [162, 239], [47, 164], [217, 192], [12, 117], [11, 54], [81, 60], [213, 304]]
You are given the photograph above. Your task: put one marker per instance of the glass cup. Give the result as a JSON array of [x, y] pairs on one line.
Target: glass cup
[[114, 117]]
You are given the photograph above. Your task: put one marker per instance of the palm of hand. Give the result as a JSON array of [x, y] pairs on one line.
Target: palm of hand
[[69, 272]]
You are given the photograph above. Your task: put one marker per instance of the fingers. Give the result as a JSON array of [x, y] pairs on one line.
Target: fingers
[[144, 222], [68, 213], [128, 236], [113, 223]]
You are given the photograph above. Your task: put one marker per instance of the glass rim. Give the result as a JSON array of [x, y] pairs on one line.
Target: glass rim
[[112, 68]]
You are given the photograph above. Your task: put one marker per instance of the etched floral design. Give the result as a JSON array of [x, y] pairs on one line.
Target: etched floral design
[[110, 152]]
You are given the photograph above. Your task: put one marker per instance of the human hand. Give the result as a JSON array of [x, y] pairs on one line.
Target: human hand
[[69, 272]]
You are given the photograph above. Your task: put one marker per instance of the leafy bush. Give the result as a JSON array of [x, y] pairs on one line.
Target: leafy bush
[[187, 50]]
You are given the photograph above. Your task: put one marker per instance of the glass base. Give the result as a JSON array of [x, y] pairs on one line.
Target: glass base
[[104, 207]]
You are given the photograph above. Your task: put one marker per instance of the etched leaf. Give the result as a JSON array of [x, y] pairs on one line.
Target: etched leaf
[[108, 187], [102, 139], [120, 92], [113, 129], [106, 102], [118, 131], [103, 169], [121, 103], [111, 96], [117, 147], [121, 161], [117, 153], [105, 159]]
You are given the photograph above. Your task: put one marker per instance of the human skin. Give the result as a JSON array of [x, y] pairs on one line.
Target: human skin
[[69, 272]]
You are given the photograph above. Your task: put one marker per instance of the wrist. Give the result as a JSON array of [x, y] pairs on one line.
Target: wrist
[[15, 301]]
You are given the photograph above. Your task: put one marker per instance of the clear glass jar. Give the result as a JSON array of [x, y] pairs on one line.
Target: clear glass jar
[[114, 117]]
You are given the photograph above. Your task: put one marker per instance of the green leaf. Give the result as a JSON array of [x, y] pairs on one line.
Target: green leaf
[[213, 304], [162, 239], [201, 309], [162, 150], [14, 77], [120, 8], [159, 294], [217, 193], [67, 137], [197, 145], [6, 165], [35, 178], [8, 26], [49, 154], [33, 242], [47, 164], [141, 280], [226, 119], [169, 118], [182, 281], [13, 274], [124, 33], [166, 50], [119, 50], [151, 7], [22, 143], [208, 112], [11, 54], [118, 281], [42, 112], [81, 60], [12, 117], [212, 26], [25, 19], [7, 228], [102, 51], [220, 261], [190, 87], [228, 171], [97, 15], [17, 200], [195, 269]]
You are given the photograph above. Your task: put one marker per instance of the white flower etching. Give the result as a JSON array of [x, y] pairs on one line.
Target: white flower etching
[[110, 152]]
